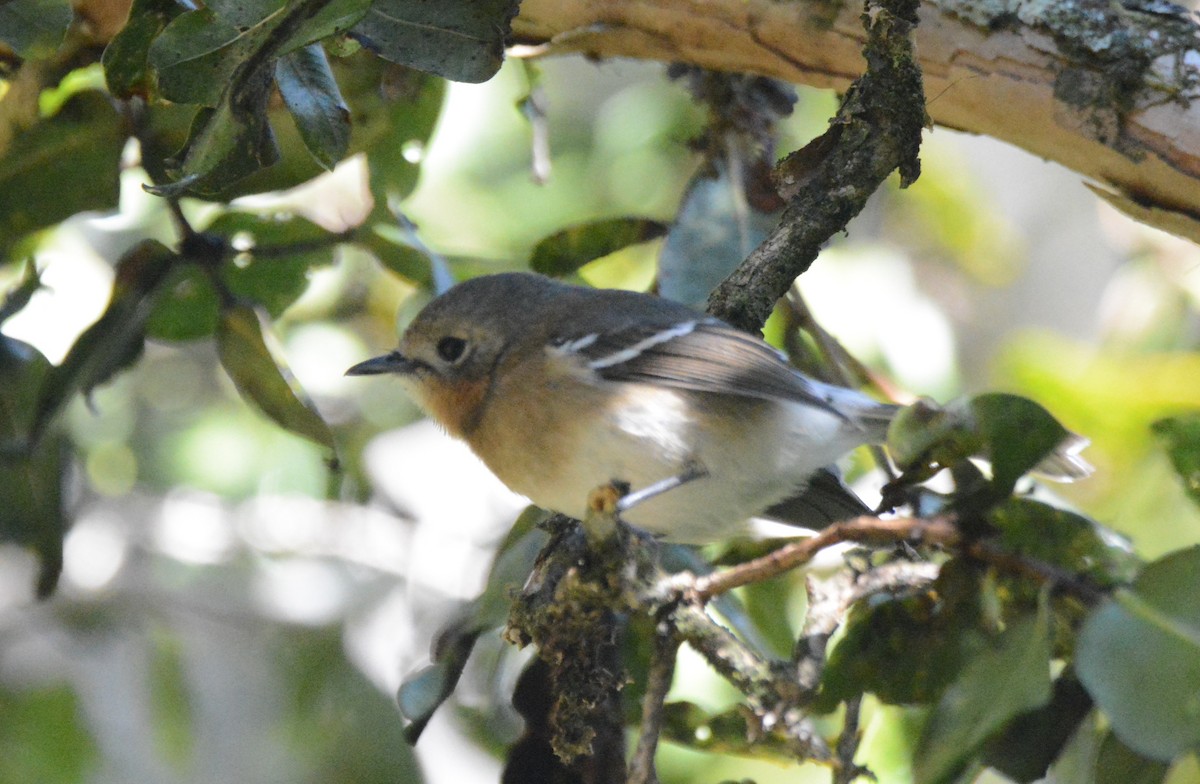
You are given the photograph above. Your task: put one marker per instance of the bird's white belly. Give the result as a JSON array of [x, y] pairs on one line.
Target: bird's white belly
[[755, 454]]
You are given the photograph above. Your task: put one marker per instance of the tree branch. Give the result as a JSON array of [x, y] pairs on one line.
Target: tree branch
[[862, 530], [877, 130], [1106, 89], [658, 682]]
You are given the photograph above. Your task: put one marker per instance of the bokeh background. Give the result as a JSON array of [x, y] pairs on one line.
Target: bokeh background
[[231, 609]]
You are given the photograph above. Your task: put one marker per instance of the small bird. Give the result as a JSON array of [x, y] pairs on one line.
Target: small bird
[[560, 389]]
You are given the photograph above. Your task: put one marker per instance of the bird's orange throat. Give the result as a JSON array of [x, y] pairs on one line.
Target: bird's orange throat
[[456, 406]]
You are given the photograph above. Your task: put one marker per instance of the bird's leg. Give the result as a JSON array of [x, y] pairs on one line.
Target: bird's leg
[[691, 472]]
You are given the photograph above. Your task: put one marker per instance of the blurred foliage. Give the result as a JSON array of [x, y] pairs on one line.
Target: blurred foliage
[[170, 385]]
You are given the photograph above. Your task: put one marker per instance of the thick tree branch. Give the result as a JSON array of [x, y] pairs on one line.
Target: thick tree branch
[[877, 130], [1106, 89]]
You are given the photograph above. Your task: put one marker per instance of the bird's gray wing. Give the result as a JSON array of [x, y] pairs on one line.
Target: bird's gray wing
[[703, 355]]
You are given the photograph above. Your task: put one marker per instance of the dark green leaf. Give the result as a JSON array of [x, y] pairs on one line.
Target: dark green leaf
[[906, 649], [125, 58], [1180, 436], [200, 50], [1033, 740], [34, 28], [1116, 763], [228, 143], [244, 14], [1018, 434], [31, 477], [1070, 541], [261, 379], [19, 295], [1139, 656], [385, 244], [1014, 433], [392, 108], [713, 232], [1005, 679], [271, 270], [115, 340], [188, 308], [462, 40], [43, 736], [279, 253], [80, 145], [311, 95], [22, 372], [566, 251], [197, 54]]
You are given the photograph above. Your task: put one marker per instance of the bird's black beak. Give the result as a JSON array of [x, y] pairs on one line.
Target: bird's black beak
[[394, 362]]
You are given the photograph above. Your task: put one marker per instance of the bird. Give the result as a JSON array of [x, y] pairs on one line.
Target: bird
[[561, 388]]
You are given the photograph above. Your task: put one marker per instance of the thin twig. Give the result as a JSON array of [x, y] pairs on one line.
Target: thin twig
[[287, 250], [1059, 579], [658, 682], [863, 530], [847, 746]]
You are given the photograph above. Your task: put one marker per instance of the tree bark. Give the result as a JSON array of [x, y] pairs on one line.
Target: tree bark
[[1106, 89]]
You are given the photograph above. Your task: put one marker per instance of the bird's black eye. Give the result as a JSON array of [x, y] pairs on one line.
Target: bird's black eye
[[451, 348]]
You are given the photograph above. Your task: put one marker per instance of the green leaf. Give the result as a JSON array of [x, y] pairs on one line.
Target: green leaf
[[1067, 540], [115, 340], [262, 380], [244, 14], [392, 108], [1018, 434], [189, 307], [271, 270], [310, 93], [62, 165], [20, 294], [1033, 740], [228, 143], [34, 29], [566, 251], [203, 59], [1139, 656], [198, 53], [907, 648], [43, 736], [125, 58], [1116, 763], [1014, 433], [462, 40], [714, 231], [1005, 679], [31, 478], [195, 56], [1180, 436], [386, 245], [281, 251], [423, 693]]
